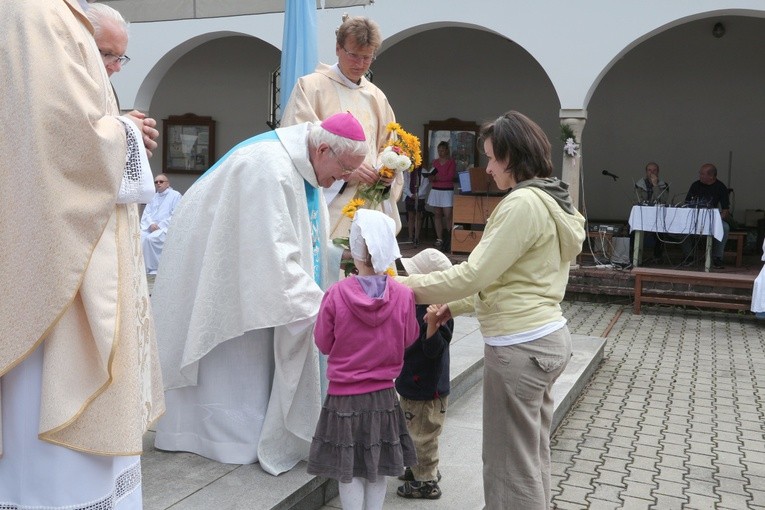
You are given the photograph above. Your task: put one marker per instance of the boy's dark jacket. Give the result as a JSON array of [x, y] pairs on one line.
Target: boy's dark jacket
[[425, 374]]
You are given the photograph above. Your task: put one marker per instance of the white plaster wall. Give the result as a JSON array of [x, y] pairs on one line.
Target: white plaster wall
[[226, 79], [574, 43], [537, 57]]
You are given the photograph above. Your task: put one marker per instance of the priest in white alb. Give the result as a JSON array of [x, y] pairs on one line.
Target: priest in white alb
[[243, 272], [155, 221]]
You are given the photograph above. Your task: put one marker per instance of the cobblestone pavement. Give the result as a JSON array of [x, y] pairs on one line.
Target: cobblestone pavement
[[674, 418]]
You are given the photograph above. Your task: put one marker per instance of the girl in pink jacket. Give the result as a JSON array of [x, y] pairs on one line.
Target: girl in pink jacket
[[364, 325]]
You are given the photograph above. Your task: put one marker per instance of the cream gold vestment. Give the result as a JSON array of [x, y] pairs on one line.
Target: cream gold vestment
[[71, 261]]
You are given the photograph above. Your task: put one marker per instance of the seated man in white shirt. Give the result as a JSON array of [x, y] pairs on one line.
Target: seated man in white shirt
[[155, 221]]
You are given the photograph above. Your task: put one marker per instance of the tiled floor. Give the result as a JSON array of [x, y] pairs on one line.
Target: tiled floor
[[674, 417]]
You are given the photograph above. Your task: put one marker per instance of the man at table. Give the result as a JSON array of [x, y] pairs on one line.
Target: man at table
[[709, 192], [651, 190]]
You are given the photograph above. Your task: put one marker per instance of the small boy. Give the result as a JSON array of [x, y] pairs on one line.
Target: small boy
[[424, 386]]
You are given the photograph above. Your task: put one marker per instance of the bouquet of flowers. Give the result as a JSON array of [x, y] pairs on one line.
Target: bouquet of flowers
[[400, 154]]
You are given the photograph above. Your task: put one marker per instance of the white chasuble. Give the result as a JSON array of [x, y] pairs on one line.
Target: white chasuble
[[238, 269]]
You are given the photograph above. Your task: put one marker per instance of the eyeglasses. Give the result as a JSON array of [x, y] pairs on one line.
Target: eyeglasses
[[159, 182], [110, 59], [346, 171], [364, 59]]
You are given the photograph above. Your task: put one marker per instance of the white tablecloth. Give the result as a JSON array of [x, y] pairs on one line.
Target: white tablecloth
[[677, 220]]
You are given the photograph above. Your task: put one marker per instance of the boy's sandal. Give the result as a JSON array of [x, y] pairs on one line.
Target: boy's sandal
[[408, 476], [419, 490]]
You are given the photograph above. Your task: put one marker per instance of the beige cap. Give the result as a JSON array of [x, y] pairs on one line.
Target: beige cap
[[426, 261]]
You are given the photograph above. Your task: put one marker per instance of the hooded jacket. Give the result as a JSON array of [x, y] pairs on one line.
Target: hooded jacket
[[425, 375], [516, 276], [365, 337]]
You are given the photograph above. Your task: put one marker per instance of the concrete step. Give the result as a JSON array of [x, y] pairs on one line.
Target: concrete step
[[185, 481]]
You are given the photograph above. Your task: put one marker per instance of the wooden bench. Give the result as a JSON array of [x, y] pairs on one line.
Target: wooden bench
[[740, 239], [680, 288]]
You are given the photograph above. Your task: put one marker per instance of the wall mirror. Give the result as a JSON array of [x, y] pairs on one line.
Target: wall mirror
[[461, 136], [188, 143]]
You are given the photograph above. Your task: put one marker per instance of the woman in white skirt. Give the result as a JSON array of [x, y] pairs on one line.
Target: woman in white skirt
[[441, 195]]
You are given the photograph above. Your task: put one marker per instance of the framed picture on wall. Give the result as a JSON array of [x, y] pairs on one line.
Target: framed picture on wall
[[188, 143], [459, 134]]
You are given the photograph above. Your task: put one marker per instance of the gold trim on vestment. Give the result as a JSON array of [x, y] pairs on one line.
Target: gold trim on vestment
[[115, 343]]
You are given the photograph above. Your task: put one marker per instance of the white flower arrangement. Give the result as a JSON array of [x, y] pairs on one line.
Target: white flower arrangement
[[395, 160], [571, 148], [567, 136]]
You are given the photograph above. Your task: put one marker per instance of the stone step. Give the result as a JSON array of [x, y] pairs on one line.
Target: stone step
[[185, 481]]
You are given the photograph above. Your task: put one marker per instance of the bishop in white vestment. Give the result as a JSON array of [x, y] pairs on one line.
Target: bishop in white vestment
[[242, 275]]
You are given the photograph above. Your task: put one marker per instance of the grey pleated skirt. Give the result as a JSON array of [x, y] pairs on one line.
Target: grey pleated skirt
[[362, 436]]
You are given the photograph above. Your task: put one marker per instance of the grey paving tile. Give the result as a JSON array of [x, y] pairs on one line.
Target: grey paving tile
[[639, 475], [584, 465], [698, 448], [671, 474], [758, 496], [647, 453], [733, 501], [605, 492], [639, 490], [579, 479], [599, 504], [670, 460], [702, 487], [562, 504], [620, 452], [665, 502], [671, 449], [701, 502], [565, 444], [636, 503], [669, 488], [703, 474], [731, 486], [609, 477]]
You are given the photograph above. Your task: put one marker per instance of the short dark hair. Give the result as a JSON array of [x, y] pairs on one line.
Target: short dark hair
[[443, 143], [520, 141]]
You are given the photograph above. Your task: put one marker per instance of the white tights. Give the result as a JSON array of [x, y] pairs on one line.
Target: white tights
[[361, 494]]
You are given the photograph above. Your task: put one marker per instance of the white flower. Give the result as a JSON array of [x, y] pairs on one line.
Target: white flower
[[394, 161], [571, 148], [389, 157], [403, 163]]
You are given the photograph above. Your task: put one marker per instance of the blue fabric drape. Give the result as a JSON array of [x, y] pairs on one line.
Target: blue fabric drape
[[299, 52]]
